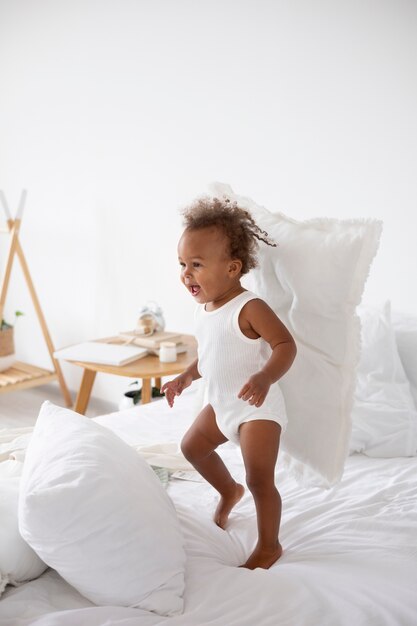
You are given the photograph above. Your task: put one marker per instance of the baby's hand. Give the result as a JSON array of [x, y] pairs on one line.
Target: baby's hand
[[256, 389], [175, 387], [171, 389]]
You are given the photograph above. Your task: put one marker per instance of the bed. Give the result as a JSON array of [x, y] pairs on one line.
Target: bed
[[350, 552], [118, 534]]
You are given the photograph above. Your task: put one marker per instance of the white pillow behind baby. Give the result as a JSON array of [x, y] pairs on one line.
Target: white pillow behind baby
[[405, 328], [93, 510], [384, 418], [314, 280]]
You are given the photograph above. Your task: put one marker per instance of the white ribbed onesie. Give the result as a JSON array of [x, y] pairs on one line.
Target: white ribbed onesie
[[226, 360]]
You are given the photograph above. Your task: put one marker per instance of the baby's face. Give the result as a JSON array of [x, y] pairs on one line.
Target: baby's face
[[207, 270]]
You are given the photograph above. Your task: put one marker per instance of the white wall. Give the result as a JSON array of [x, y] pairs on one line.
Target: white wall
[[114, 113]]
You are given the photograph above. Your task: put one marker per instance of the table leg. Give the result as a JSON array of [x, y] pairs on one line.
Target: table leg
[[158, 383], [146, 390], [84, 391]]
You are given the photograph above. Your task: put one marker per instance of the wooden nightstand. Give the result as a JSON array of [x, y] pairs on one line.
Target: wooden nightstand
[[146, 368]]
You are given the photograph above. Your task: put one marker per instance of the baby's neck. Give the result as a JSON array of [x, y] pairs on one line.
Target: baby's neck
[[224, 298]]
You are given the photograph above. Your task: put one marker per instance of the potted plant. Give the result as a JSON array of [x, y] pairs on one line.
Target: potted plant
[[7, 342], [133, 396]]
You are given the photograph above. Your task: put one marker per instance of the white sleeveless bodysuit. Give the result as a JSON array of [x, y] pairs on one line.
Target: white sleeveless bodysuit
[[226, 359]]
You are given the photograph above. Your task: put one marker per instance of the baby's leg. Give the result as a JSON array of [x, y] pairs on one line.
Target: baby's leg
[[259, 441], [198, 446]]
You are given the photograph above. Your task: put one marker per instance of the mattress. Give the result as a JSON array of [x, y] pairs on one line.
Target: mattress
[[350, 552]]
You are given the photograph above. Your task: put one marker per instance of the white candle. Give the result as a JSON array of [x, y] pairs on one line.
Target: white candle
[[168, 352]]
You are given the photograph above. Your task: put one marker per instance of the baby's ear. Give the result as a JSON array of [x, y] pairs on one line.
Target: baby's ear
[[235, 267]]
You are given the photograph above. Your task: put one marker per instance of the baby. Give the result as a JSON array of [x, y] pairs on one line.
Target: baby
[[243, 349]]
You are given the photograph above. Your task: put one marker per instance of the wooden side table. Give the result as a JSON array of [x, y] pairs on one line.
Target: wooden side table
[[146, 368]]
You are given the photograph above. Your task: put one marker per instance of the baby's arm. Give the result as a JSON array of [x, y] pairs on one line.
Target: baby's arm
[[257, 319], [176, 386]]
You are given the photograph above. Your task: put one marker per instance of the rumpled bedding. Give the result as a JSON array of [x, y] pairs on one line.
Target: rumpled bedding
[[350, 552], [13, 444]]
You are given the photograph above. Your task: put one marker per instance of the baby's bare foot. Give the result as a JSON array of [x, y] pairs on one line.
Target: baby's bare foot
[[263, 558], [226, 504]]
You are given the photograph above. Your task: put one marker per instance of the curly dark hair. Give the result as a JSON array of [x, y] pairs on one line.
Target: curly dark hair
[[237, 224]]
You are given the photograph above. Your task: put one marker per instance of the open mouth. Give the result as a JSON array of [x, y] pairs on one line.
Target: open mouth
[[194, 289]]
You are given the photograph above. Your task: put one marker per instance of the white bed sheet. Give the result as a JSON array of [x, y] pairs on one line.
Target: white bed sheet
[[350, 553]]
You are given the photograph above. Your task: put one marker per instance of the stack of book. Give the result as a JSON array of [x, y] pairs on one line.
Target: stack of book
[[100, 352], [153, 342]]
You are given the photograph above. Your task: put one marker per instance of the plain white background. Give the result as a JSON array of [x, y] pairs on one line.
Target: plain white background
[[116, 113]]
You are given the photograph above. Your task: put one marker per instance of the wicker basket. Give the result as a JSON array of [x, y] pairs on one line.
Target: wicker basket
[[6, 342]]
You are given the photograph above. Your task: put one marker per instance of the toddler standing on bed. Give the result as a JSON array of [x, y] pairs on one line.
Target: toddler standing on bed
[[243, 349]]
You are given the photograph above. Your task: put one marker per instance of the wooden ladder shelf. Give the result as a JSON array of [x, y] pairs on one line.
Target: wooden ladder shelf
[[23, 375]]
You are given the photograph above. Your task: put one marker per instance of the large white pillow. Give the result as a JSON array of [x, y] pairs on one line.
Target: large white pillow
[[405, 327], [314, 280], [18, 562], [384, 416], [93, 510]]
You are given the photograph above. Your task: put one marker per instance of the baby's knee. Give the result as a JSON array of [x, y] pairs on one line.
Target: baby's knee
[[188, 449], [259, 484]]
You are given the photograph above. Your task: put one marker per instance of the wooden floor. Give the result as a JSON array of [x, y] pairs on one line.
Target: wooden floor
[[21, 408]]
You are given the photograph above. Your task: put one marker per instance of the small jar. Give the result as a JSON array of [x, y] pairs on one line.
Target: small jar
[[167, 352]]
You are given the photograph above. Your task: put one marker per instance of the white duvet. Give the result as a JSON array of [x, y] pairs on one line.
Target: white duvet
[[350, 553]]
